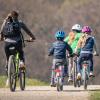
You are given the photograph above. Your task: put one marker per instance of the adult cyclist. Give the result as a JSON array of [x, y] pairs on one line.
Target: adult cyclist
[[72, 40], [11, 33]]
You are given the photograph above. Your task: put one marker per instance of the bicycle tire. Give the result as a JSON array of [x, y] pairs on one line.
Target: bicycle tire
[[11, 73], [22, 79], [85, 79], [74, 75], [59, 85]]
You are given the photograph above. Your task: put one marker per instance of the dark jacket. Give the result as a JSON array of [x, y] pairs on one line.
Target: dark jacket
[[88, 47], [18, 36], [58, 49]]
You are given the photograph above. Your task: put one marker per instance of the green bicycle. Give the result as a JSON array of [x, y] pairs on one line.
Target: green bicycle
[[14, 71]]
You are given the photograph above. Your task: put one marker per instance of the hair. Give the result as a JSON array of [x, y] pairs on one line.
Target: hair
[[10, 19], [14, 13]]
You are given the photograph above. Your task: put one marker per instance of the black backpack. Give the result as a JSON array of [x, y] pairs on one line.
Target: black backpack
[[12, 29]]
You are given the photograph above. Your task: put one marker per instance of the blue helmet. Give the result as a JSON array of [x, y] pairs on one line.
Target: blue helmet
[[60, 34]]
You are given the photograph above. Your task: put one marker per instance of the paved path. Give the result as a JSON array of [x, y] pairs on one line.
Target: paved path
[[48, 93]]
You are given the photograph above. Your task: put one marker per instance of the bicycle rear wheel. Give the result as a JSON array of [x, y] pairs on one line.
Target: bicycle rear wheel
[[74, 75], [85, 80], [22, 79], [12, 73], [59, 84]]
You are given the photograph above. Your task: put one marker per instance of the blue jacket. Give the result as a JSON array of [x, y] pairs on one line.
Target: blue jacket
[[88, 47], [58, 49]]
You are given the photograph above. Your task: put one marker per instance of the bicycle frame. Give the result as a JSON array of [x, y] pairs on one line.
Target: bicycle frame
[[16, 59], [59, 71], [17, 63]]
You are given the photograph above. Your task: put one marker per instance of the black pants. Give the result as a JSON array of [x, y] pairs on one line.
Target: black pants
[[18, 46]]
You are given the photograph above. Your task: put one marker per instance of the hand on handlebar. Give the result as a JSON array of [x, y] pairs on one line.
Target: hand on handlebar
[[70, 55], [29, 40]]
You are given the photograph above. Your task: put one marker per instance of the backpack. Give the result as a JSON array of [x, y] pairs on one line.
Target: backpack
[[12, 29]]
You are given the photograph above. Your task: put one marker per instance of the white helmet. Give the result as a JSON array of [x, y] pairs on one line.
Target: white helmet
[[77, 27]]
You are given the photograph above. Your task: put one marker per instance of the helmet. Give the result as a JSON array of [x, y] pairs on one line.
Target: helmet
[[86, 29], [60, 34], [77, 27]]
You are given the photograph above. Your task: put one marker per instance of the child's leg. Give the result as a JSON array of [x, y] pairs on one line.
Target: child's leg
[[65, 67], [70, 66], [79, 63], [91, 64], [52, 72]]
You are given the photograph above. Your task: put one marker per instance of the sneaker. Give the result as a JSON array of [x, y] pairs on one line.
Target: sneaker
[[22, 65], [79, 76], [91, 74], [52, 84], [70, 79]]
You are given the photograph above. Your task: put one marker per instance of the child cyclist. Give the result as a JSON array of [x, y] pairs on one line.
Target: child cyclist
[[58, 50], [86, 43], [72, 40]]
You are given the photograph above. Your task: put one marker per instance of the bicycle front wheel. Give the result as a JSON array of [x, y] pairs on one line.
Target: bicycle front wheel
[[12, 73], [22, 79]]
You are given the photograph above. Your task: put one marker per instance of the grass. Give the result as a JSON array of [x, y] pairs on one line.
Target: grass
[[2, 81], [29, 82], [35, 82], [95, 95]]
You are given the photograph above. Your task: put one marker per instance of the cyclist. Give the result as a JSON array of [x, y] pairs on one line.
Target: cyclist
[[86, 44], [12, 35], [58, 50], [72, 40]]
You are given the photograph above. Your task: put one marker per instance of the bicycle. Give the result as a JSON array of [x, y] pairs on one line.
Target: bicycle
[[85, 73], [74, 72], [14, 70], [59, 76]]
